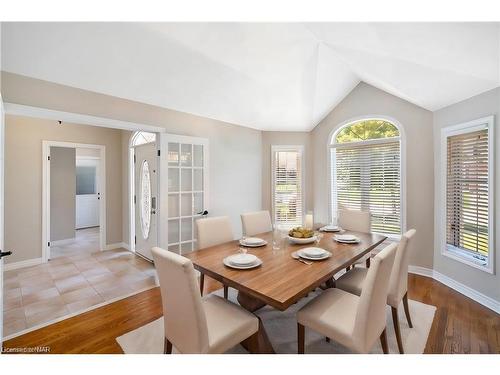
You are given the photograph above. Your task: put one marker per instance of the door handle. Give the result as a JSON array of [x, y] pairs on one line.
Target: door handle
[[203, 213], [153, 205], [5, 253]]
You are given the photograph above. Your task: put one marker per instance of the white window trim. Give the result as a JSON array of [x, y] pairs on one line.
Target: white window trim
[[460, 255], [402, 144], [299, 148]]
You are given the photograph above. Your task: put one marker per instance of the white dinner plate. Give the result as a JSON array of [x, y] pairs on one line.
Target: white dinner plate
[[301, 254], [253, 242], [346, 237], [331, 228], [231, 265], [343, 239], [302, 241], [314, 252], [242, 259]]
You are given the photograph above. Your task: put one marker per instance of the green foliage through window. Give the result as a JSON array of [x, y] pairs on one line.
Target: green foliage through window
[[366, 129]]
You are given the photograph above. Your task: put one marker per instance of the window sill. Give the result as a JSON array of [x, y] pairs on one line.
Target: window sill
[[467, 258]]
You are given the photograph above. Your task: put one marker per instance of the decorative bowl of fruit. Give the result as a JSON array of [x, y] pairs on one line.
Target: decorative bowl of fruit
[[301, 235]]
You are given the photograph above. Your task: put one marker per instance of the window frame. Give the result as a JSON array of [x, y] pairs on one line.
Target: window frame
[[402, 149], [462, 255], [300, 149]]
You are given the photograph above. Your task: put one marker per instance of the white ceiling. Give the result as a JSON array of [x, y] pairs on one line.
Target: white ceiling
[[265, 76]]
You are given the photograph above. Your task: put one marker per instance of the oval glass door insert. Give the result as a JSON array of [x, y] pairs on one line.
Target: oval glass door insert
[[145, 199]]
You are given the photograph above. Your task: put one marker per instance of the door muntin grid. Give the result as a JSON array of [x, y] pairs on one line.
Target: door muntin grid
[[185, 194]]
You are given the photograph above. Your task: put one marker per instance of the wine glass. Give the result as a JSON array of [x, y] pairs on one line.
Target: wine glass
[[317, 238], [243, 250]]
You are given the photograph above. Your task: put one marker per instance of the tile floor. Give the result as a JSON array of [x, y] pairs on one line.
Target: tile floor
[[86, 241], [72, 281]]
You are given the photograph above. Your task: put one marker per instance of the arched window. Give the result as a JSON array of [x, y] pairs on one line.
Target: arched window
[[365, 160], [140, 138]]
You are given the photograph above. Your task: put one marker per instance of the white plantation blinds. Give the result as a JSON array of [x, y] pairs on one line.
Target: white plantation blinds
[[368, 177], [467, 191], [287, 186]]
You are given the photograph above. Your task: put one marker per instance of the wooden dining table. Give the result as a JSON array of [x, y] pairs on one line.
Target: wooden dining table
[[281, 280]]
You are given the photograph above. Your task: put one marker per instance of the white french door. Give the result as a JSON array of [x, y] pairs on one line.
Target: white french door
[[146, 194], [187, 189]]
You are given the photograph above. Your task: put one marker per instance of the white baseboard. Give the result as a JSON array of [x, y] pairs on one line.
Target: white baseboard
[[126, 246], [459, 287], [66, 241], [117, 245], [22, 264]]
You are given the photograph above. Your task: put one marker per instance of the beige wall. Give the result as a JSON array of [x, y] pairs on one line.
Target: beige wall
[[482, 105], [62, 193], [366, 100], [286, 138], [235, 151], [23, 179]]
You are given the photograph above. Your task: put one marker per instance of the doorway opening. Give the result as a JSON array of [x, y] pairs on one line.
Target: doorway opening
[[74, 200]]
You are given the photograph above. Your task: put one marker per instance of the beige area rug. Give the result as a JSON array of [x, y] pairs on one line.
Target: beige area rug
[[281, 328]]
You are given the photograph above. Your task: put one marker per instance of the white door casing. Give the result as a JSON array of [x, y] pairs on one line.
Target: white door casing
[[2, 125], [146, 198]]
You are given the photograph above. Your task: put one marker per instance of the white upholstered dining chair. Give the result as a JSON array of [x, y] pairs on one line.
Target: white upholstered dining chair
[[256, 222], [354, 282], [358, 221], [213, 231], [354, 321], [194, 324]]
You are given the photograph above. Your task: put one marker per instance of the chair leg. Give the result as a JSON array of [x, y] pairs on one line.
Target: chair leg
[[383, 341], [253, 343], [395, 320], [367, 262], [167, 347], [407, 310], [300, 338], [226, 291], [202, 283]]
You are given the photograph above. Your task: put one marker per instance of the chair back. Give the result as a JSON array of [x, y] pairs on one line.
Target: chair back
[[371, 314], [358, 221], [213, 231], [398, 284], [183, 314], [256, 222]]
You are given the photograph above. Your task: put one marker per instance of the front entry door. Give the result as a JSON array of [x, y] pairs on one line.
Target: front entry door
[[146, 177]]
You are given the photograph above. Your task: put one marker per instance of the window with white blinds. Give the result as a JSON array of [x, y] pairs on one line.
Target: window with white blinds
[[365, 160], [288, 207], [468, 188]]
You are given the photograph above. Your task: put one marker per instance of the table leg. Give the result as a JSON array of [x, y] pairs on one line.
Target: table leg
[[249, 303], [264, 344]]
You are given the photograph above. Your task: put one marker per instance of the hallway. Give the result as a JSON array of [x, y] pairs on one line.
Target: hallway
[[86, 242]]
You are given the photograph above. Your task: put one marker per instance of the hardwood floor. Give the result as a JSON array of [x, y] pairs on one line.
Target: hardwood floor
[[460, 325]]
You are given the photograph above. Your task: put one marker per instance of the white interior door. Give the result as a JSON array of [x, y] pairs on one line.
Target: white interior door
[[146, 187], [187, 190], [87, 193]]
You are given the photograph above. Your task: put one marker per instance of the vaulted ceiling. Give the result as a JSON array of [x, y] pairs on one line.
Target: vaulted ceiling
[[269, 76]]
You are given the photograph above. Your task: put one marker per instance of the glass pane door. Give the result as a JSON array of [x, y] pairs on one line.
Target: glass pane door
[[186, 192]]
